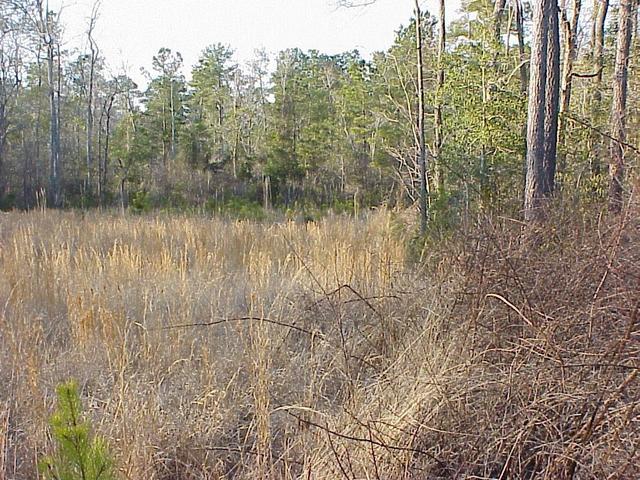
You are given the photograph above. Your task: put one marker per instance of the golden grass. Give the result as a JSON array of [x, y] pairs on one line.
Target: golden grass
[[213, 349], [94, 297]]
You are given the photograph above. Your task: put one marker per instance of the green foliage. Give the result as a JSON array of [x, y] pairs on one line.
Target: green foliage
[[313, 128], [7, 202], [165, 103], [212, 108], [79, 455], [238, 208], [141, 201]]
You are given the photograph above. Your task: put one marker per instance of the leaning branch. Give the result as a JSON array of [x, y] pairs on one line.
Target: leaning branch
[[240, 320], [370, 441], [607, 135]]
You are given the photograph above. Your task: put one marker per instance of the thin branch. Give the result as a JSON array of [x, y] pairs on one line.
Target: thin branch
[[243, 319], [587, 75], [586, 124], [326, 429]]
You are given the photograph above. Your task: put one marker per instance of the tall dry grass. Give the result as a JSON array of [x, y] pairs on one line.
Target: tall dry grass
[[211, 349]]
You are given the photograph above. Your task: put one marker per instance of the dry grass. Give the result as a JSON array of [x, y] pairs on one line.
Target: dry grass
[[210, 349]]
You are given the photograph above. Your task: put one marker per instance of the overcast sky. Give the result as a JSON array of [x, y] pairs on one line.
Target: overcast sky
[[130, 32]]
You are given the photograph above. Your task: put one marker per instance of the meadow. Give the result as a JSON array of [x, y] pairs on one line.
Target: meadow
[[208, 348]]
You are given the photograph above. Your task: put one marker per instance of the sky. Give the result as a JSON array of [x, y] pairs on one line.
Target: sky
[[130, 32]]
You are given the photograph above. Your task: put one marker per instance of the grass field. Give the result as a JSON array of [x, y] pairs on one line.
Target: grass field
[[213, 349]]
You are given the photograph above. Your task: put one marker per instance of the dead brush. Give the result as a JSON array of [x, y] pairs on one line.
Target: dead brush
[[551, 387], [209, 349]]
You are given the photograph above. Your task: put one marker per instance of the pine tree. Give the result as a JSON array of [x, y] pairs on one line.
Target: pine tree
[[79, 454]]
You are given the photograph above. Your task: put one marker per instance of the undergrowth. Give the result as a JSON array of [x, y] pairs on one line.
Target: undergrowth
[[78, 454], [214, 349]]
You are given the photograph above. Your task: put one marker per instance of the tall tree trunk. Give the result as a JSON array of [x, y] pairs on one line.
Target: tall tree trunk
[[570, 52], [92, 66], [534, 187], [165, 151], [236, 126], [100, 185], [552, 97], [54, 158], [524, 71], [104, 166], [3, 137], [421, 153], [45, 30], [438, 126], [618, 109], [58, 116], [601, 8], [172, 108], [26, 171], [3, 125], [498, 12], [37, 139]]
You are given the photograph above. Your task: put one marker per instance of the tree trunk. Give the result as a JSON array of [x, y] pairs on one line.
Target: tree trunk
[[421, 154], [236, 143], [3, 136], [165, 152], [267, 192], [618, 109], [438, 125], [54, 159], [37, 140], [3, 126], [570, 52], [173, 121], [498, 12], [600, 7], [89, 140], [45, 30], [552, 97], [104, 167], [534, 187], [100, 176], [524, 71], [26, 171]]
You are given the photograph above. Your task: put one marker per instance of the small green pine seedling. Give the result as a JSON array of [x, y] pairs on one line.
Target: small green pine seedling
[[79, 455]]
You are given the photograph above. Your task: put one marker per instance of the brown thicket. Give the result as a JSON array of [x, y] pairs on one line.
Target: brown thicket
[[211, 349]]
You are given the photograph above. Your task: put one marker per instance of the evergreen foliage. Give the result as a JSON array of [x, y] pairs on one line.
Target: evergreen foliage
[[308, 128], [79, 454]]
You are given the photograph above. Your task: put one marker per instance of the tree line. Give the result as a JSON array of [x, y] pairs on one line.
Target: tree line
[[507, 105]]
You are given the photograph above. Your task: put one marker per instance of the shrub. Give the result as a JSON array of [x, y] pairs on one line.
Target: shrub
[[79, 455], [141, 202], [238, 208]]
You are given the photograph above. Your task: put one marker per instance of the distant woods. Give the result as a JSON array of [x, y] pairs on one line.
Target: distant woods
[[508, 105]]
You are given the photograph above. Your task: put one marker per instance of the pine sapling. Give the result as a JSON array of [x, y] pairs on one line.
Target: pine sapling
[[79, 455]]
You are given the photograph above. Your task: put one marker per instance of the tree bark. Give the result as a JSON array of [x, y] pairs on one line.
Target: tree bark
[[47, 36], [92, 66], [600, 7], [421, 153], [104, 161], [619, 105], [172, 109], [54, 159], [570, 53], [438, 124], [524, 71], [3, 136], [552, 97], [534, 186], [4, 127], [498, 12]]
